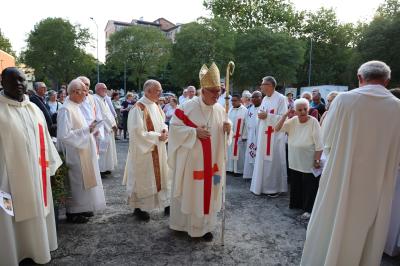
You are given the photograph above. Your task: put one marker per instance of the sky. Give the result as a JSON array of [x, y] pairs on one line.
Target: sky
[[16, 25]]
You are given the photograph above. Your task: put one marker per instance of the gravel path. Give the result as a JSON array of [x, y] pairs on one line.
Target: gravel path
[[259, 231]]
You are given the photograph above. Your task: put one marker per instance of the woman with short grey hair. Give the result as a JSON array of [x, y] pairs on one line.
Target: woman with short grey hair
[[305, 149]]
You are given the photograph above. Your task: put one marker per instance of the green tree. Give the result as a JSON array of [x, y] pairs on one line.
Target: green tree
[[332, 48], [144, 51], [243, 15], [5, 44], [381, 40], [260, 52], [55, 49], [200, 43]]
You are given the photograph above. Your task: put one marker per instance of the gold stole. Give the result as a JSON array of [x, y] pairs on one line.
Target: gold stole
[[154, 153]]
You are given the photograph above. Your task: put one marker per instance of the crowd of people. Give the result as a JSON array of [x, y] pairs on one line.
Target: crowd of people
[[337, 161]]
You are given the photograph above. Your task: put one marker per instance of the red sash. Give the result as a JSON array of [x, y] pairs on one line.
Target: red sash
[[208, 169], [43, 163], [269, 132]]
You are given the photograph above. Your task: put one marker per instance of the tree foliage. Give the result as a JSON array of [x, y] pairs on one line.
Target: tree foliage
[[5, 44], [144, 51], [260, 52], [381, 39], [244, 15], [55, 49], [198, 43]]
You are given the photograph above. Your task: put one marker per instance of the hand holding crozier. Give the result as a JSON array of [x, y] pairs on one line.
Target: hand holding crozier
[[227, 127]]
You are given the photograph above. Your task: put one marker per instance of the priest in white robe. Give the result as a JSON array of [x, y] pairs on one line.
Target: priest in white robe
[[76, 138], [88, 106], [351, 213], [251, 122], [27, 160], [392, 247], [146, 173], [237, 149], [196, 157], [270, 174], [106, 143]]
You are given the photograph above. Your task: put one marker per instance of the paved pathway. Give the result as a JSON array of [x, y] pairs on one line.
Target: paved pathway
[[259, 231]]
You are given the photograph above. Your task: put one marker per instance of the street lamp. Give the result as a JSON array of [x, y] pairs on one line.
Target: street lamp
[[309, 66], [97, 40]]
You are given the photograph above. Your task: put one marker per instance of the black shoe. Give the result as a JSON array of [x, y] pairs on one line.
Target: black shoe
[[237, 174], [76, 218], [141, 215], [107, 172], [166, 211], [87, 214], [273, 195], [208, 237]]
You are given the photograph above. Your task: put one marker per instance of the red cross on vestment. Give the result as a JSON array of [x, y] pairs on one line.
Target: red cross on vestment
[[237, 135], [269, 132], [43, 163]]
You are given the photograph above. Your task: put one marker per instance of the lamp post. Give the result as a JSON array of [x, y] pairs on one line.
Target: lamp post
[[309, 66], [97, 40]]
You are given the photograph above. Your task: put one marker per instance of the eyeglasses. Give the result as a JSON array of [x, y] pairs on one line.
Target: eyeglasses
[[304, 109]]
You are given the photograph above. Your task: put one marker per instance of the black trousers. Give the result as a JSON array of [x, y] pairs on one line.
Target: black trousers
[[125, 125], [303, 190]]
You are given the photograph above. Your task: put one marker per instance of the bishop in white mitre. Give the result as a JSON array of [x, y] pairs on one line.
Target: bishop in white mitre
[[106, 141], [236, 151], [196, 157], [270, 174], [27, 160], [251, 122], [76, 139], [351, 213], [146, 173]]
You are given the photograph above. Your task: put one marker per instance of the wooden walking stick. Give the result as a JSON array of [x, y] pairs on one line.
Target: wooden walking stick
[[229, 72]]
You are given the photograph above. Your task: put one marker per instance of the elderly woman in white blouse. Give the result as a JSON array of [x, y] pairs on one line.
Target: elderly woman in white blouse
[[305, 149]]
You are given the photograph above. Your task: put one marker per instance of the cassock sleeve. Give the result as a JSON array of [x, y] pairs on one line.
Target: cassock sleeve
[[77, 138], [316, 134], [144, 140]]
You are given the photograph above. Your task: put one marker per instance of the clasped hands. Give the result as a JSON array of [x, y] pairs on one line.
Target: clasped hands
[[203, 133]]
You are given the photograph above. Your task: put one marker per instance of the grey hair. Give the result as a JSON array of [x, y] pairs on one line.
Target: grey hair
[[83, 79], [301, 101], [150, 83], [246, 94], [37, 84], [306, 93], [374, 70], [257, 92], [74, 84], [332, 93], [98, 85], [269, 79], [191, 88], [129, 94]]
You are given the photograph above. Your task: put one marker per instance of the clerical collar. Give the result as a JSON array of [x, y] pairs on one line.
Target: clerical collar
[[146, 100], [4, 98]]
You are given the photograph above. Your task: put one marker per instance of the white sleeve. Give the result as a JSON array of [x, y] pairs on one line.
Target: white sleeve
[[77, 138]]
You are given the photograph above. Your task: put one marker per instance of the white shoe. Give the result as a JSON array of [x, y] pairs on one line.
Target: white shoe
[[305, 216]]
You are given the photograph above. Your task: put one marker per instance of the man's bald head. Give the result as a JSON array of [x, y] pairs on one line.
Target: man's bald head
[[152, 89], [13, 81], [85, 81]]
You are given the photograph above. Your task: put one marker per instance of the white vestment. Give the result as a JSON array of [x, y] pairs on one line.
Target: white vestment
[[88, 108], [270, 174], [186, 161], [106, 143], [351, 213], [31, 233], [221, 100], [236, 151], [75, 139], [251, 122], [146, 172], [392, 246]]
